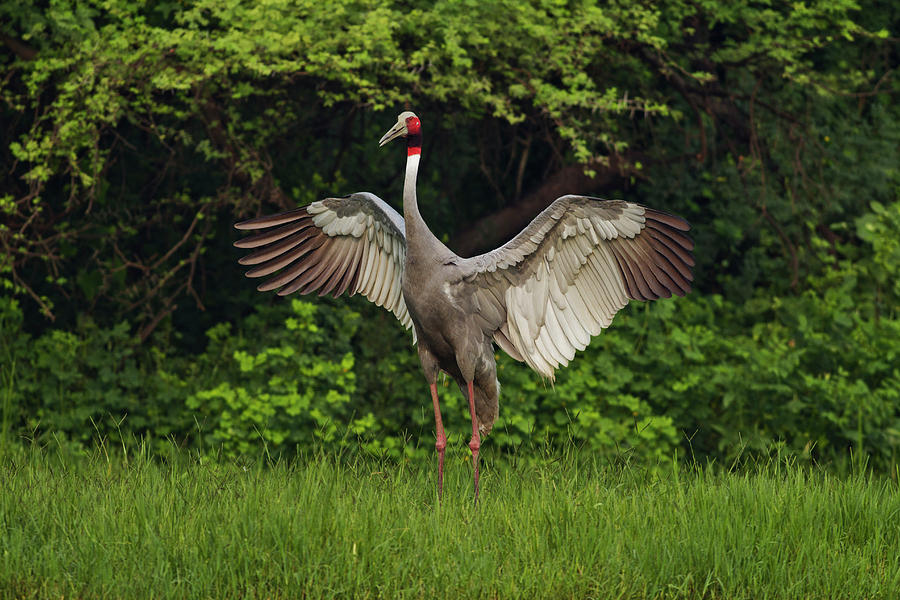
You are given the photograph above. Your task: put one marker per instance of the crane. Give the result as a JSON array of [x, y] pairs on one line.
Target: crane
[[540, 297]]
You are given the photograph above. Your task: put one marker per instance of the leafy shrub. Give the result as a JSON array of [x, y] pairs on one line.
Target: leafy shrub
[[813, 373], [281, 385], [289, 379]]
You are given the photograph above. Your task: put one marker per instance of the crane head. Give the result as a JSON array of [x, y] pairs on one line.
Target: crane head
[[407, 125]]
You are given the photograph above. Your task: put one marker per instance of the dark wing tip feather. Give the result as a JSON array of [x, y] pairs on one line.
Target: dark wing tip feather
[[673, 221], [277, 249], [635, 286], [673, 234], [295, 252], [267, 221], [273, 235], [672, 248], [285, 249], [658, 262]]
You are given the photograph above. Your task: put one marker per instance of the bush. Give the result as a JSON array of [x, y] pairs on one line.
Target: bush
[[280, 386], [289, 378], [813, 374]]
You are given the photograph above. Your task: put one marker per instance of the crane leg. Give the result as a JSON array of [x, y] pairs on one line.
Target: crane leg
[[475, 442], [441, 443]]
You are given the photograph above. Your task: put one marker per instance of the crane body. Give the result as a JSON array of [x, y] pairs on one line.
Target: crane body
[[540, 297]]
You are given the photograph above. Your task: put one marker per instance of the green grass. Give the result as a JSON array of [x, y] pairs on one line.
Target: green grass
[[356, 528]]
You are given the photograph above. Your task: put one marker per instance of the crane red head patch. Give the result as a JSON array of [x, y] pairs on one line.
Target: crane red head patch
[[413, 136]]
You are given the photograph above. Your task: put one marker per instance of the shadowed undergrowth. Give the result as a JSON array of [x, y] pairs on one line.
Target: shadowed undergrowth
[[571, 527]]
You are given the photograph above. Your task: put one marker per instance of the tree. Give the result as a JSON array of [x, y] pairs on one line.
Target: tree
[[132, 129], [136, 133]]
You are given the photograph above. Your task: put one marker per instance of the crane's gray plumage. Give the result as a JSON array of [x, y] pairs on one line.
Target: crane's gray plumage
[[540, 297]]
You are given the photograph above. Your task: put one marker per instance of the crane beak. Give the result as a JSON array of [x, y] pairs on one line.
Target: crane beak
[[398, 130]]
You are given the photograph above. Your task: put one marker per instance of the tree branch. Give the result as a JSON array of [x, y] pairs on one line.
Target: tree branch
[[20, 49], [500, 226]]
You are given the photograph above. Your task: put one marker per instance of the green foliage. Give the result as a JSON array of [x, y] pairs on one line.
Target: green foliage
[[880, 229], [134, 134], [284, 388], [814, 374], [86, 382], [135, 128]]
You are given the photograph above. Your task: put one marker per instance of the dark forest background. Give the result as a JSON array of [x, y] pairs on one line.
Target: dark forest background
[[134, 134]]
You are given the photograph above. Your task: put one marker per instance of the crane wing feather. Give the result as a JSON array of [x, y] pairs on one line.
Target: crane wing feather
[[354, 244], [561, 281]]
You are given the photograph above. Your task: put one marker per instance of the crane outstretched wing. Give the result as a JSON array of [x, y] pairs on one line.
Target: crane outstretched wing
[[547, 291], [356, 243]]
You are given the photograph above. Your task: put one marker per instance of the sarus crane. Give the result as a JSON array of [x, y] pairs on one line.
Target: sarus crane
[[540, 297]]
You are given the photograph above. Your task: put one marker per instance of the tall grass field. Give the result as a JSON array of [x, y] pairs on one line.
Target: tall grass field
[[570, 526]]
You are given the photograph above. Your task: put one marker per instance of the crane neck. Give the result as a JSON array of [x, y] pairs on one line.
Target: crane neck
[[419, 238]]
